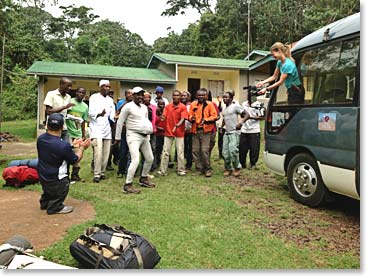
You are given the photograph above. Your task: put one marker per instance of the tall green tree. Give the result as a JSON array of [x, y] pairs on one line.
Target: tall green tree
[[124, 47], [178, 6], [223, 33]]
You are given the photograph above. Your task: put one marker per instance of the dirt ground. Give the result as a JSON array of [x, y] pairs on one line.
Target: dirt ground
[[335, 226], [21, 215], [17, 149]]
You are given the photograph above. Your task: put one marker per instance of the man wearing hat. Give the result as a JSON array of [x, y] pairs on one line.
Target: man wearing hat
[[54, 157], [159, 95], [134, 116], [101, 112]]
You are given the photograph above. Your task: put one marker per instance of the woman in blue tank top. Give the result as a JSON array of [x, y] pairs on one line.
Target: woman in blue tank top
[[287, 70]]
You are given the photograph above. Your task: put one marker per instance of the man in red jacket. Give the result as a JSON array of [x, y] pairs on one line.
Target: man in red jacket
[[174, 114]]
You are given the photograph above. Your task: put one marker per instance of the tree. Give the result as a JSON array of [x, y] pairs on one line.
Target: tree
[[19, 99], [224, 32], [68, 25], [178, 6], [125, 47], [25, 36]]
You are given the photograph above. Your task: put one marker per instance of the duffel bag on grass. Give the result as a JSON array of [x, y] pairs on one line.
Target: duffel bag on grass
[[19, 176], [113, 247]]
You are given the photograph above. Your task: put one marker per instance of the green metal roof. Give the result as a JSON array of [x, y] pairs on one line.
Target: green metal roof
[[262, 52], [201, 61], [48, 68], [261, 62], [257, 52]]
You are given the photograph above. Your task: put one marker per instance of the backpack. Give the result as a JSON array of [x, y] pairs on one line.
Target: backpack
[[19, 176], [113, 247]]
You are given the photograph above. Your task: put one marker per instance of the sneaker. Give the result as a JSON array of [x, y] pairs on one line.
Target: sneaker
[[208, 173], [227, 173], [109, 168], [75, 178], [120, 175], [65, 210], [96, 179], [253, 167], [237, 173], [171, 165], [103, 177], [129, 189], [144, 182], [197, 173], [160, 173], [150, 176], [181, 173]]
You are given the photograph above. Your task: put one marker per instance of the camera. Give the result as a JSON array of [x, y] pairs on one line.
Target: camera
[[253, 90]]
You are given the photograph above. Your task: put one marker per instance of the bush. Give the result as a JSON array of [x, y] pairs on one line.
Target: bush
[[19, 98]]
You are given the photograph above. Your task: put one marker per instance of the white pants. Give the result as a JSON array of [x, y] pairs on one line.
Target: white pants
[[168, 141], [137, 143], [101, 152]]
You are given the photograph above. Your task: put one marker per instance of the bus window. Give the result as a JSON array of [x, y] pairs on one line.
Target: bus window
[[348, 64], [329, 73]]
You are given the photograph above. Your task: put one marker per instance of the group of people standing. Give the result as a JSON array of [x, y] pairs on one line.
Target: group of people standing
[[147, 124]]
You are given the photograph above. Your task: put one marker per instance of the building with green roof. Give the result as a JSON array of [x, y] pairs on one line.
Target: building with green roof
[[182, 72]]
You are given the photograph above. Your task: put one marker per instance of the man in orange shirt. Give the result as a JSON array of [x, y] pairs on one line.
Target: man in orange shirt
[[175, 115], [202, 116]]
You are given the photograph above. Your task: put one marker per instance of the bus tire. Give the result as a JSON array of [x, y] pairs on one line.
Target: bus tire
[[305, 181]]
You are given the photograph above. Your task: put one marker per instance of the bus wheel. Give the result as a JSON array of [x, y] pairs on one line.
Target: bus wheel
[[304, 180]]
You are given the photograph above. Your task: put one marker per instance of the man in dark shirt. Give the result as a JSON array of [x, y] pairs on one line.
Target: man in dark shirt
[[54, 157]]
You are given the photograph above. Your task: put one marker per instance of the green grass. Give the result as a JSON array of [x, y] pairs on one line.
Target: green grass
[[25, 130], [196, 222]]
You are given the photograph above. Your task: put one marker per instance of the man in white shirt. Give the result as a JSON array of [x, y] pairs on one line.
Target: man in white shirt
[[250, 131], [134, 116], [101, 111], [59, 101], [158, 95]]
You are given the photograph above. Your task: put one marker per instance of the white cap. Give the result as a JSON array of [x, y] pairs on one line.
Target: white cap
[[137, 89], [104, 82]]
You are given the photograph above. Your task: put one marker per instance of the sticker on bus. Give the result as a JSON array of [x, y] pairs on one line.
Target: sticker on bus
[[327, 121]]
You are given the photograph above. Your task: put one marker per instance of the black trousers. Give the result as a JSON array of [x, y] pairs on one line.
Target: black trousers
[[54, 195], [249, 142], [159, 142], [188, 149], [220, 143], [114, 152], [296, 95], [123, 154]]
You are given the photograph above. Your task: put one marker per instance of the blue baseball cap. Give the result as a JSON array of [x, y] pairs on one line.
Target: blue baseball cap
[[159, 89], [55, 121]]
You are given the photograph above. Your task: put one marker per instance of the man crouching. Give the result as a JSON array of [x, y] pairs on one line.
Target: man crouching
[[54, 158]]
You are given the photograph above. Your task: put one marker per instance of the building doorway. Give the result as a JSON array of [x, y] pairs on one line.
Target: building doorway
[[193, 85]]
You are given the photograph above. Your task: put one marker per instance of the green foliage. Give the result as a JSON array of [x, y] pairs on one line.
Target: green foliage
[[178, 6], [113, 44], [224, 33], [19, 98], [33, 34]]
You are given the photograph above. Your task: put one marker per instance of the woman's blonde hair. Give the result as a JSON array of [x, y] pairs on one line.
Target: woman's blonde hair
[[284, 48]]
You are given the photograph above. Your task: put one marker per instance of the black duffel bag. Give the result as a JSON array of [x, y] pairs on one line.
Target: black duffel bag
[[113, 247]]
